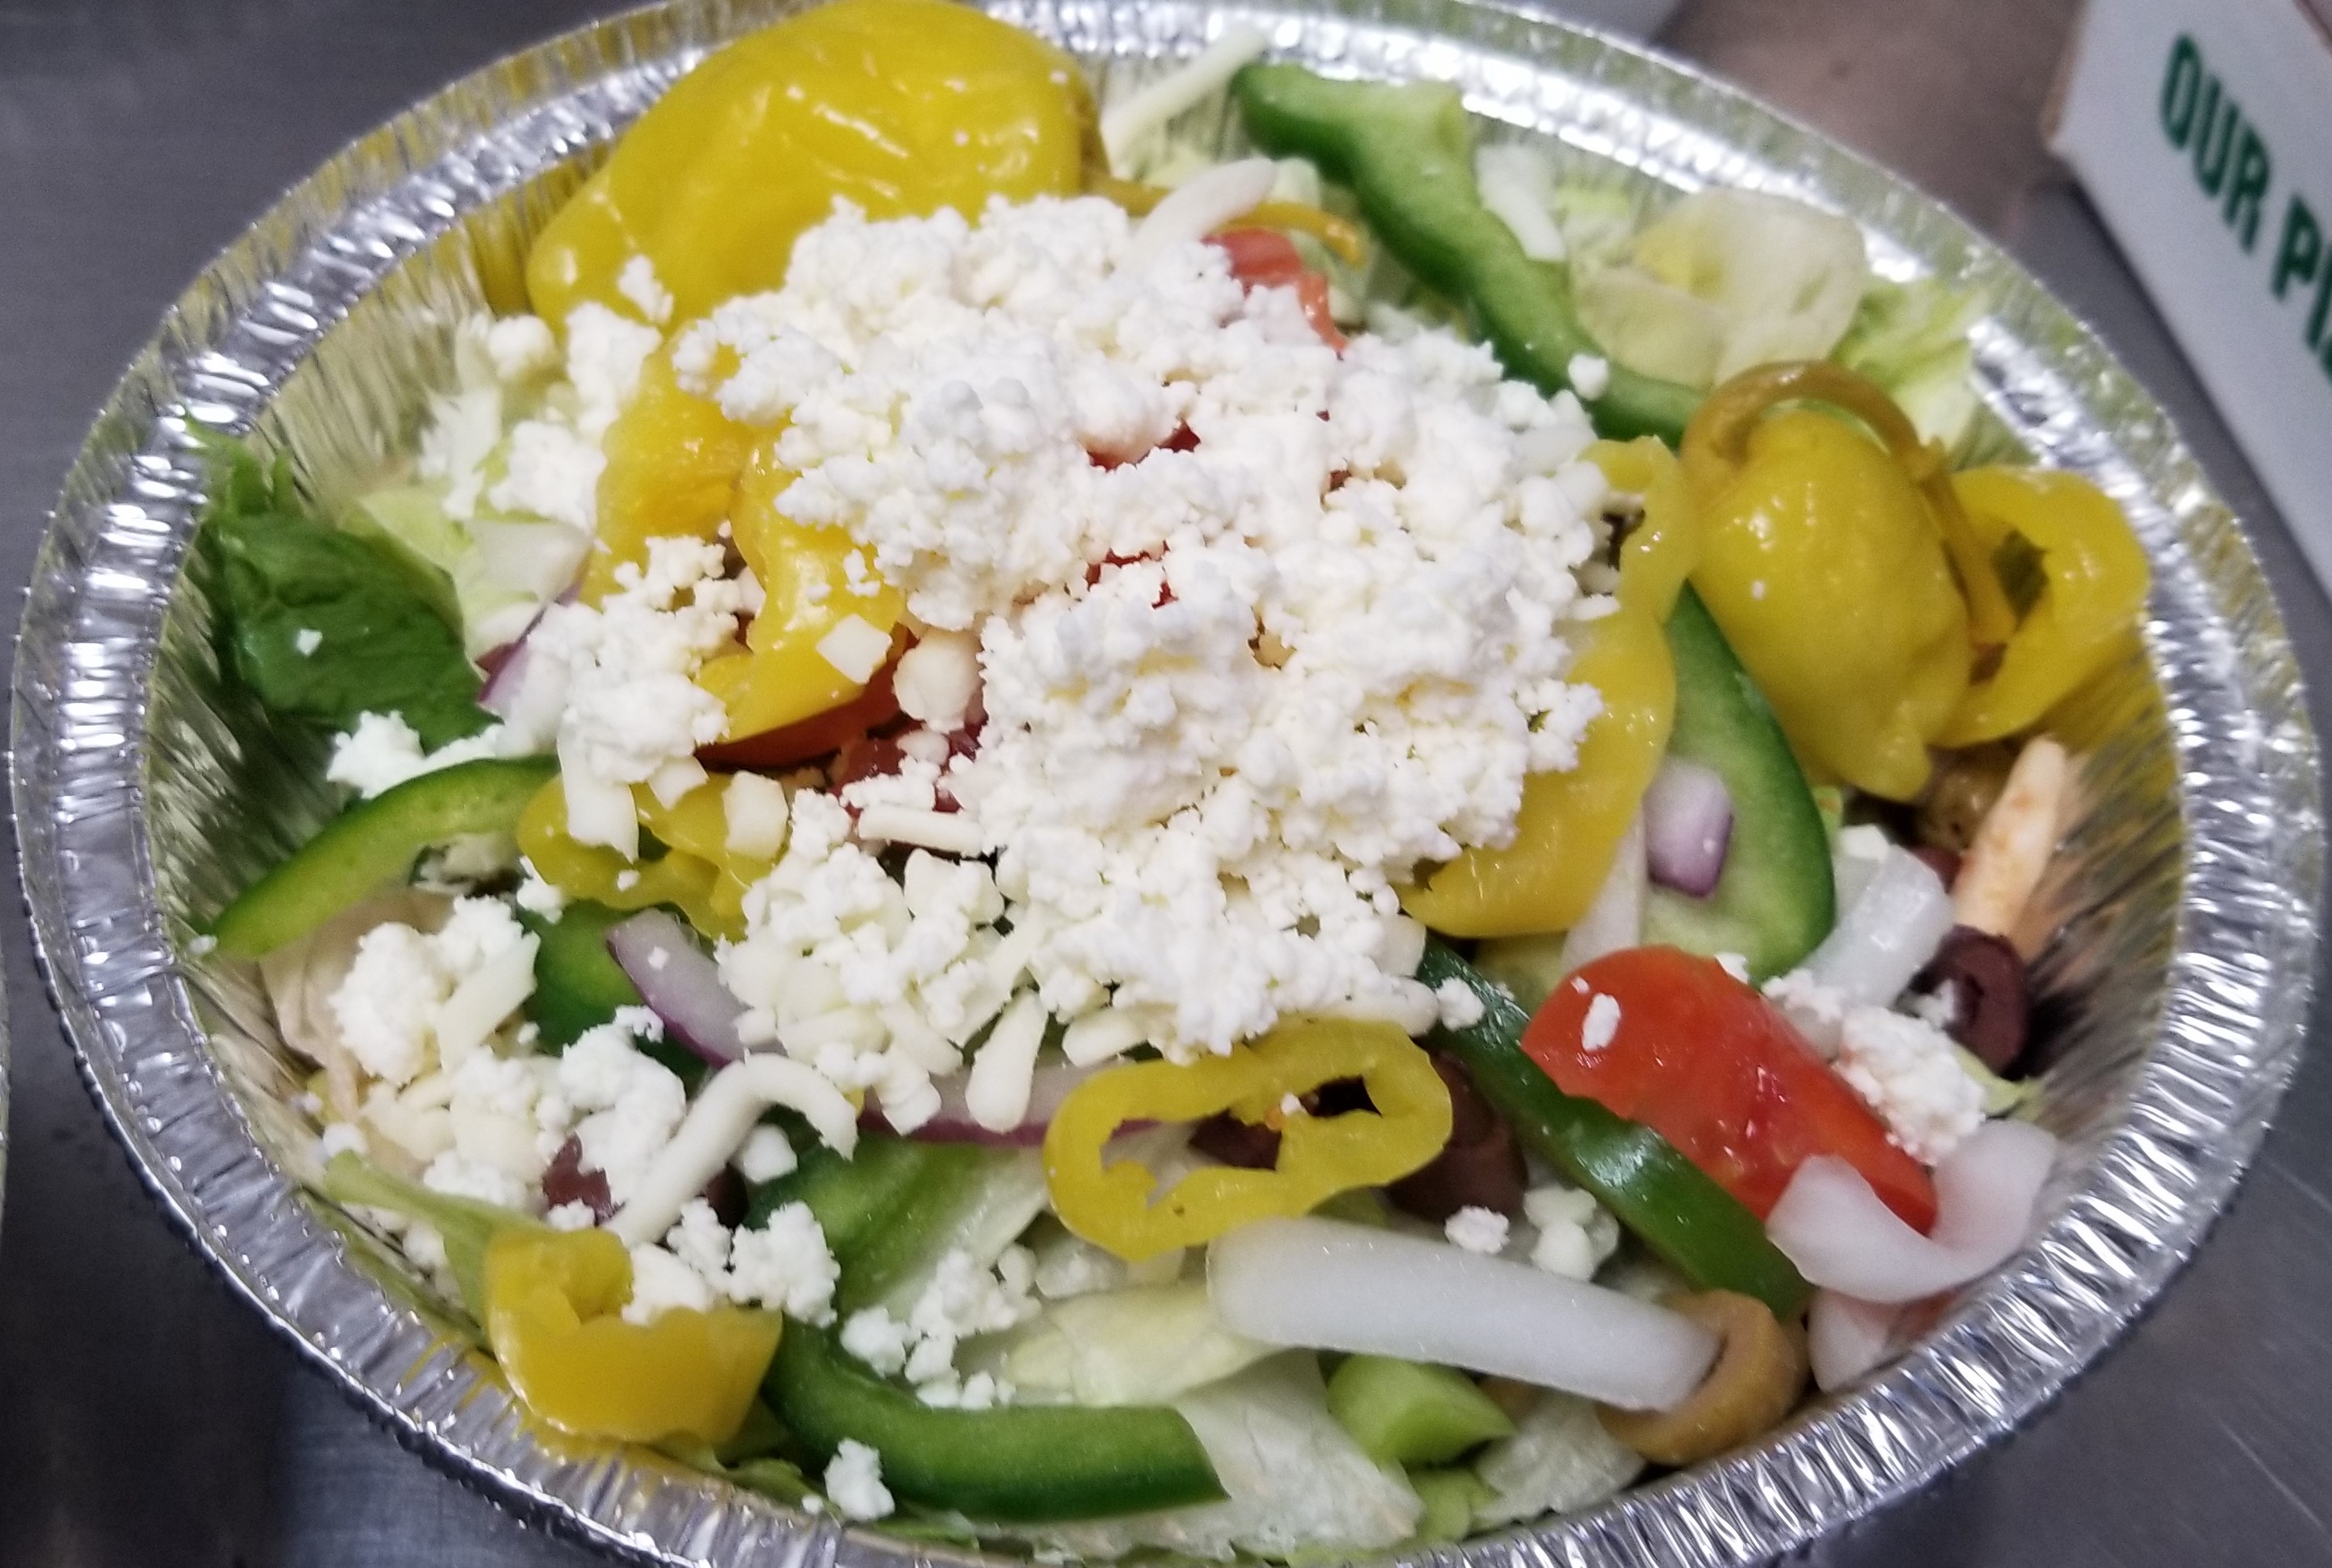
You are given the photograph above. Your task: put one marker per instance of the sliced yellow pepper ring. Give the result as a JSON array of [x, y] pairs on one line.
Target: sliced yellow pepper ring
[[554, 1301], [697, 872], [1570, 824], [1113, 1206], [1341, 236], [1829, 551]]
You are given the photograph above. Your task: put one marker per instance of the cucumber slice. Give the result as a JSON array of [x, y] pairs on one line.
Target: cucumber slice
[[1775, 901], [1405, 1412]]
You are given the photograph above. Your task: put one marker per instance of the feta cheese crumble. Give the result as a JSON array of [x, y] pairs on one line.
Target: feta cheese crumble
[[1602, 1025], [854, 1481], [1478, 1230], [383, 751], [1908, 1072]]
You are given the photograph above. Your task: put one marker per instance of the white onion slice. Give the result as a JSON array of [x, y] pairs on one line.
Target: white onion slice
[[1688, 827], [1616, 919], [1843, 1238], [682, 987], [1324, 1284], [1887, 934], [1846, 1338], [717, 1125], [1184, 87], [1193, 210]]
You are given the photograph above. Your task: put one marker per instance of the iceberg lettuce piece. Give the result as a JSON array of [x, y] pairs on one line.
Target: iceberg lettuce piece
[[1559, 1461], [1296, 1483], [1912, 339]]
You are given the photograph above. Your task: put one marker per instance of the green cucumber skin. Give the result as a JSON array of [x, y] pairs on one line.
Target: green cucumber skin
[[1015, 1464], [1405, 1412], [1664, 1199], [1776, 899], [374, 844]]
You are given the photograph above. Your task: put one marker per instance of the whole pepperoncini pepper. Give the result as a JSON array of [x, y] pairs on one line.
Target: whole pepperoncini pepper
[[2075, 578], [1113, 1206], [1571, 823], [901, 106], [697, 872], [1828, 557], [553, 1314]]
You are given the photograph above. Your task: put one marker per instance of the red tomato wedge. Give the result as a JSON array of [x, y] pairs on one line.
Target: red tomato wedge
[[811, 738], [1715, 1069], [1268, 259]]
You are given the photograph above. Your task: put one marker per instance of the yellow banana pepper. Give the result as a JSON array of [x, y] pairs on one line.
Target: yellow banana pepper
[[782, 677], [673, 462], [554, 1303], [1113, 1206], [2062, 550], [1571, 823], [1826, 559], [697, 872], [900, 106]]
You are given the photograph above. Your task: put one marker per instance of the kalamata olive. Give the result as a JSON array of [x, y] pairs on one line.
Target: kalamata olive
[[1249, 1146], [1942, 861], [726, 1195], [1992, 1000], [1964, 786], [1480, 1167], [1253, 1146], [566, 1182]]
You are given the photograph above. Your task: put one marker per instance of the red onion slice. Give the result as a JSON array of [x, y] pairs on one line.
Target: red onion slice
[[1843, 1238], [1688, 827], [680, 984], [953, 1122]]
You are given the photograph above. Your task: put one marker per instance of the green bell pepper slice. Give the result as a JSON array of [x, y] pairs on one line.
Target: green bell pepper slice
[[374, 844], [1015, 1464], [1696, 1226], [882, 1210], [1408, 154]]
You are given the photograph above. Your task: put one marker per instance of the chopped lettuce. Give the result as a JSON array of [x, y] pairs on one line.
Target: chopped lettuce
[[1726, 280], [1517, 185], [1139, 1346], [1912, 339], [463, 1224], [2002, 1097], [1295, 1482], [322, 624], [1560, 1459]]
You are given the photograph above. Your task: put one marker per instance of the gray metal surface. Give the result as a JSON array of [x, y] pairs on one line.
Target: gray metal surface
[[139, 1417]]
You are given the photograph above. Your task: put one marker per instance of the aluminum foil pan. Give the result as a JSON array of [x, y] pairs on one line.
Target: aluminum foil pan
[[2174, 988]]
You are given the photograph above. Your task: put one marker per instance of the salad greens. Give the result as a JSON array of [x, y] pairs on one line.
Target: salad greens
[[324, 626]]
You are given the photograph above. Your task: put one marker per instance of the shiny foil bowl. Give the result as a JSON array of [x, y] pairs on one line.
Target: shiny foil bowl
[[147, 792]]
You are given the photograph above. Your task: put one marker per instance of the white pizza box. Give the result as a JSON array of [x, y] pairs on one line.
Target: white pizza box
[[2202, 131]]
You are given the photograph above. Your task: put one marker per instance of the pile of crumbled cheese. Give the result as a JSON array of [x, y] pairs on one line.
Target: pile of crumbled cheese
[[1238, 686]]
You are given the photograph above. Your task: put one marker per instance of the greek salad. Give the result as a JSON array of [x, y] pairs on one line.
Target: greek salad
[[1051, 838]]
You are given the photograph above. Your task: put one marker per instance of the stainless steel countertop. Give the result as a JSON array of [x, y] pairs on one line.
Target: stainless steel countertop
[[145, 1419]]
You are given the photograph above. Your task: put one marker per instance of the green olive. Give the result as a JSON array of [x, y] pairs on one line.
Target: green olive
[[1760, 1371]]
